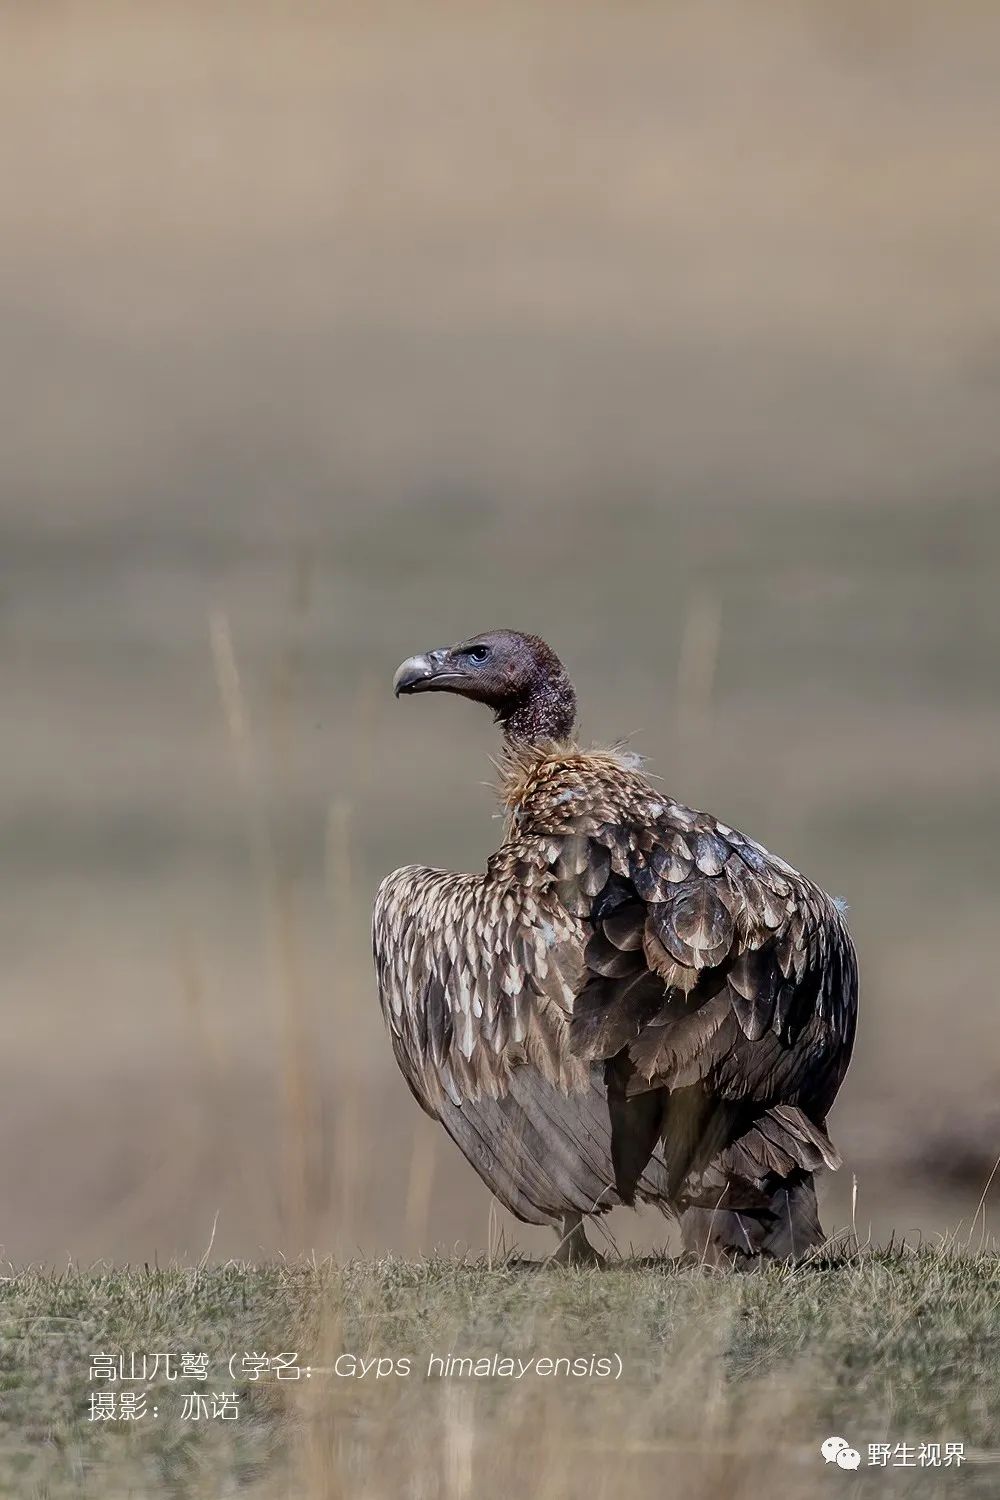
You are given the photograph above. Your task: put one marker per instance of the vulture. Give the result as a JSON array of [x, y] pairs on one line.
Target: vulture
[[633, 1003]]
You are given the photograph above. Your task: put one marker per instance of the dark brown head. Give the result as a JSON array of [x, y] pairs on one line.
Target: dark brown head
[[516, 675]]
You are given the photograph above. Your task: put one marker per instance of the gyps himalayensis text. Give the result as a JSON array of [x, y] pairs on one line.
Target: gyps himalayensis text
[[633, 1002]]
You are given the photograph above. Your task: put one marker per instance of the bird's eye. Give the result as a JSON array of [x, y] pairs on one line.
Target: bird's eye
[[478, 653]]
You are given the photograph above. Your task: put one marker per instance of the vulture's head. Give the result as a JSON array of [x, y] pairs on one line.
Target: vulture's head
[[516, 675]]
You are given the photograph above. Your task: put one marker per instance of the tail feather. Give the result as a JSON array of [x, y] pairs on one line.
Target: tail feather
[[785, 1229], [756, 1200]]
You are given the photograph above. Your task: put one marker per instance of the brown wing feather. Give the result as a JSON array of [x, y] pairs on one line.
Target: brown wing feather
[[478, 974], [477, 979], [758, 971]]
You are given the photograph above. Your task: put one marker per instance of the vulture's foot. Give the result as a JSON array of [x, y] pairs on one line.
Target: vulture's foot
[[574, 1248]]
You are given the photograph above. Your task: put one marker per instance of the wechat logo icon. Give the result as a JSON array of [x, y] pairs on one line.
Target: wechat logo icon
[[837, 1450]]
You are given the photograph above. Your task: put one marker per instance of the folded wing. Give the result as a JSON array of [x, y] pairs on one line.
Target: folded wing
[[477, 978]]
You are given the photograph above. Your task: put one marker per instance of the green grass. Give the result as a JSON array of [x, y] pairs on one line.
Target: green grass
[[727, 1386]]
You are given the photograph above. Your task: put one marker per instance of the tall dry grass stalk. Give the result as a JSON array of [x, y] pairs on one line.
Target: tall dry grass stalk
[[298, 1101], [419, 1186]]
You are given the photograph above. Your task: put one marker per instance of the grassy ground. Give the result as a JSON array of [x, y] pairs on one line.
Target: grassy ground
[[726, 1386], [673, 334]]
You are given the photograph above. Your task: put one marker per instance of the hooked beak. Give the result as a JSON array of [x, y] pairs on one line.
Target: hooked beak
[[423, 674]]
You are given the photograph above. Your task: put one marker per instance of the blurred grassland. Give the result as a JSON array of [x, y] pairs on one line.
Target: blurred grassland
[[672, 333], [727, 1386]]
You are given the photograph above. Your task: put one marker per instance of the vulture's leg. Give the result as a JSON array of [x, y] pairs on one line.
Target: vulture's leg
[[574, 1248], [740, 1238]]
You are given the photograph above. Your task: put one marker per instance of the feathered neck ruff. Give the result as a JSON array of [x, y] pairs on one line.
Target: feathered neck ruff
[[520, 767]]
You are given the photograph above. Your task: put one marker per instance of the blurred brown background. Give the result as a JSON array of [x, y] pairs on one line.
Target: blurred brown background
[[331, 333]]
